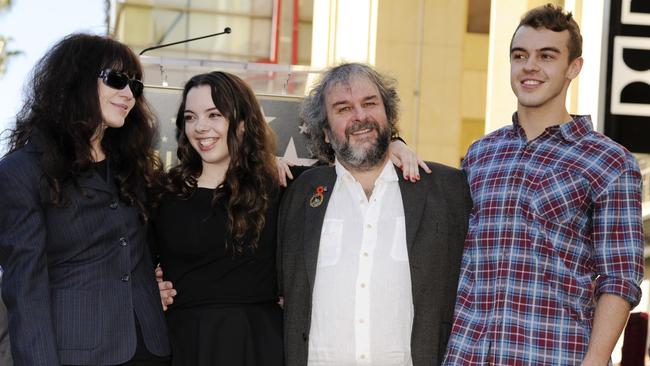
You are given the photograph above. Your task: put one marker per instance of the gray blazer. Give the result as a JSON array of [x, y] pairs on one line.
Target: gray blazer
[[74, 276], [436, 214]]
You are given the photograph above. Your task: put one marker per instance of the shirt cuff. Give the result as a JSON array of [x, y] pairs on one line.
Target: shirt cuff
[[625, 288]]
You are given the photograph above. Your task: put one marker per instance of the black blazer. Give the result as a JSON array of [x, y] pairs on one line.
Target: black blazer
[[5, 348], [74, 276], [436, 214]]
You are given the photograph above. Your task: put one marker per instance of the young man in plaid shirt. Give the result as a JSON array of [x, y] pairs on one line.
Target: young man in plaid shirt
[[554, 255]]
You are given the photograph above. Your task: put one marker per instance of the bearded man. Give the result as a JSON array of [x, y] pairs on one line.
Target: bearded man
[[368, 263]]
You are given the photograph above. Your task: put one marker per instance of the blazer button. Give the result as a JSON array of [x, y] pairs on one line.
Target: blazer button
[[122, 242], [113, 205], [126, 277], [305, 337]]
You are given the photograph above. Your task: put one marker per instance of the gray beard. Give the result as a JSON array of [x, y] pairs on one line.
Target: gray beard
[[364, 158]]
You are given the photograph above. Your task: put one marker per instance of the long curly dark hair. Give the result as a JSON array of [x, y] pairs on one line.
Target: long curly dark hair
[[62, 111], [251, 179]]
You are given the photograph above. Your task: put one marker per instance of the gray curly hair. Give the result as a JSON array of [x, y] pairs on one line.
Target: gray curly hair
[[313, 111]]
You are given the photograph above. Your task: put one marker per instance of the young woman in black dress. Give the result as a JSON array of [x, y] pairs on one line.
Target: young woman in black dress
[[215, 229]]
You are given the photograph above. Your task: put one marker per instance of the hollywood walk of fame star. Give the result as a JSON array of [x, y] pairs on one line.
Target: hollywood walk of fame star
[[291, 155]]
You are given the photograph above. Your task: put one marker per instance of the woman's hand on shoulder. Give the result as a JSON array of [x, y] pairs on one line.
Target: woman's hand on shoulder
[[284, 170], [407, 160]]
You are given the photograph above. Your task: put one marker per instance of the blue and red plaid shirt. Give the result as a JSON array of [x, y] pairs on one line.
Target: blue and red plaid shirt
[[556, 222]]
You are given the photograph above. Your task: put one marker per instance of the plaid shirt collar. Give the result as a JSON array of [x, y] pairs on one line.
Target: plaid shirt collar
[[571, 131]]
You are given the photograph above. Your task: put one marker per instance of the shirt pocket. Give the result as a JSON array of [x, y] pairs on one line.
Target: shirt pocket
[[559, 196], [329, 251], [398, 249]]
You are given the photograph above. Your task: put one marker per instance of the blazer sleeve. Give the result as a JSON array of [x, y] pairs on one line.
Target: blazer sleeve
[[467, 195], [286, 196], [25, 284]]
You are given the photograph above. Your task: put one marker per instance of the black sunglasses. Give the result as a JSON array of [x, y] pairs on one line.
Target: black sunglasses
[[118, 80]]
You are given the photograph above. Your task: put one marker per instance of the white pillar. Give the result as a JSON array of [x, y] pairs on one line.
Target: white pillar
[[591, 83], [344, 30], [501, 102]]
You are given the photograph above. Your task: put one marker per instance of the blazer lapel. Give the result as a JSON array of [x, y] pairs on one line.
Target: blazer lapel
[[314, 216], [90, 179], [413, 198], [93, 181]]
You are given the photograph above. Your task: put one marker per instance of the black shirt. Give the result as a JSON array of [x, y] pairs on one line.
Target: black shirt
[[191, 239]]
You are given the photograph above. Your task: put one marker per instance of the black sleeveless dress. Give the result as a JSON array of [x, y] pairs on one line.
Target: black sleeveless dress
[[225, 312]]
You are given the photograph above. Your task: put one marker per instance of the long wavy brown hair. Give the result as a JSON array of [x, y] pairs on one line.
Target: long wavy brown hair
[[251, 179], [62, 112]]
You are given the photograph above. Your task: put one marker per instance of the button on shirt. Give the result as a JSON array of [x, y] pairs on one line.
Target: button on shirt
[[556, 222], [362, 311]]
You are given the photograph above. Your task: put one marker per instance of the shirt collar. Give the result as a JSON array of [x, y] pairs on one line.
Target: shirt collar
[[388, 173], [579, 126]]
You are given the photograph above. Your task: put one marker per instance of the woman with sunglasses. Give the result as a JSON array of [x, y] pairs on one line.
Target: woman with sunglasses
[[78, 279]]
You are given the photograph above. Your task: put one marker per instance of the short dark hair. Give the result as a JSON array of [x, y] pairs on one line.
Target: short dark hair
[[553, 17], [314, 109]]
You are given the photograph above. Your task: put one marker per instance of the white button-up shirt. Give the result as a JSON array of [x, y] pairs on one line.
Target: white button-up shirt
[[362, 307]]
